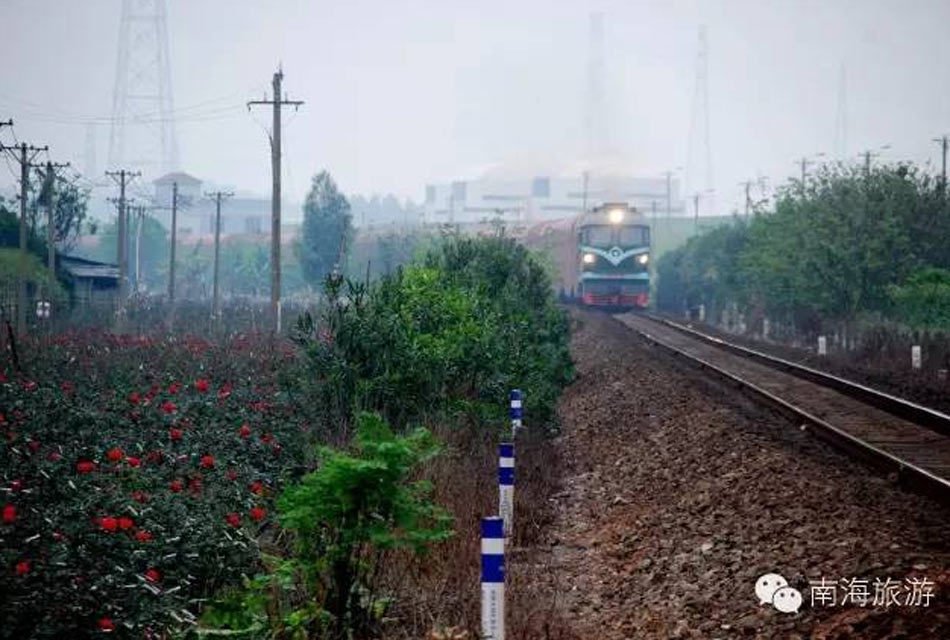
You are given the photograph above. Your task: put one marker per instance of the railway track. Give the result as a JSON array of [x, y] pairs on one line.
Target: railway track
[[901, 438]]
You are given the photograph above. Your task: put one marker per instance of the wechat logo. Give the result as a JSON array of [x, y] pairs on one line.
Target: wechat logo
[[773, 589]]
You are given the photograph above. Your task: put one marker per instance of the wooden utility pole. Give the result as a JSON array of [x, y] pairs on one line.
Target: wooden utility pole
[[25, 158], [171, 260], [122, 178], [943, 140], [748, 198], [215, 299], [277, 102], [48, 173], [140, 218]]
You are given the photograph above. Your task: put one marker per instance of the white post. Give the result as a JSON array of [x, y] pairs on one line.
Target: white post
[[822, 346], [765, 328], [915, 356], [506, 486], [702, 313], [493, 579], [515, 411]]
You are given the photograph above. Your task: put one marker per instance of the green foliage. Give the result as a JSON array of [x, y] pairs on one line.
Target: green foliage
[[70, 212], [475, 319], [924, 299], [344, 517], [832, 248], [327, 229]]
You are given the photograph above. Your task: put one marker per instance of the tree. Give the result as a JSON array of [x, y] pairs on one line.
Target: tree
[[327, 229], [71, 206]]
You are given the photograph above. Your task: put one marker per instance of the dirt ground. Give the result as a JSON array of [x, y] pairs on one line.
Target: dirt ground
[[676, 495]]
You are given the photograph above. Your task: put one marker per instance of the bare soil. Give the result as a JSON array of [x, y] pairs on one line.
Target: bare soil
[[676, 494]]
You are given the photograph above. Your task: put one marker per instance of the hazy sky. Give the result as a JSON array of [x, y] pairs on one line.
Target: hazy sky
[[400, 92]]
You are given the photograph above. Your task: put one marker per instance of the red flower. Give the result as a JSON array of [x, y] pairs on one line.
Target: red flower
[[169, 407], [16, 485], [9, 514], [244, 431], [156, 457], [54, 456], [257, 487], [257, 514], [143, 536], [233, 519], [266, 438], [126, 523], [133, 461], [207, 462], [195, 485], [135, 397], [201, 385], [225, 391], [175, 433], [174, 388], [153, 575], [106, 625], [85, 466], [30, 385], [176, 486], [34, 445], [140, 496], [115, 454], [22, 567], [232, 474], [109, 524]]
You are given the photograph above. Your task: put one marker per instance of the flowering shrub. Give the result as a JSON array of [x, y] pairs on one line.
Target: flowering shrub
[[136, 475]]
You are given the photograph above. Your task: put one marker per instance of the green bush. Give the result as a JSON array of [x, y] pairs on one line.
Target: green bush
[[344, 518]]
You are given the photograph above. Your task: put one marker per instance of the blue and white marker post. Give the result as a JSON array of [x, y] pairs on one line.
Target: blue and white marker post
[[515, 411], [493, 579], [506, 486]]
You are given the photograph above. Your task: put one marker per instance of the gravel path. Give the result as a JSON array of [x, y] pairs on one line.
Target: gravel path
[[677, 494]]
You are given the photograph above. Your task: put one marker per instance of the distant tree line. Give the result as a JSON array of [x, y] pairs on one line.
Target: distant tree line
[[848, 243]]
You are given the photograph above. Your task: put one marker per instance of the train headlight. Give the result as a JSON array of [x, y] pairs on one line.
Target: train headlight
[[589, 258], [643, 258], [615, 216]]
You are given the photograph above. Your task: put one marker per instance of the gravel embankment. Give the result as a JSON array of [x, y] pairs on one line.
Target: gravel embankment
[[677, 494]]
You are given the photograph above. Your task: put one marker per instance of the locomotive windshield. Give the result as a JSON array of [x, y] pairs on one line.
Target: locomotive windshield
[[634, 236], [598, 236]]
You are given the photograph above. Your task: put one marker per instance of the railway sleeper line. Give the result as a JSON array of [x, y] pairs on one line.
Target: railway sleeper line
[[916, 450]]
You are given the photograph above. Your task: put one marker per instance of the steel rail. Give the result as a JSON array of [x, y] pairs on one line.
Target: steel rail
[[905, 409], [907, 473]]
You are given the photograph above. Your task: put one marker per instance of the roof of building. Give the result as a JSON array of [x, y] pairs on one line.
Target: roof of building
[[82, 268], [177, 176]]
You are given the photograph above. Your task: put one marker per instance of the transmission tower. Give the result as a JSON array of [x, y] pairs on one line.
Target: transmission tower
[[699, 167], [596, 103], [143, 128], [841, 120]]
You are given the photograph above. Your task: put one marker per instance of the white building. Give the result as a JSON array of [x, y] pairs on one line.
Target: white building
[[530, 200]]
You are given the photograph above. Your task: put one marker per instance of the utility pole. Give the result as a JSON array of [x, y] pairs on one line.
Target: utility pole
[[943, 140], [215, 300], [48, 173], [696, 212], [140, 217], [870, 153], [277, 103], [171, 262], [122, 178], [25, 158], [748, 200]]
